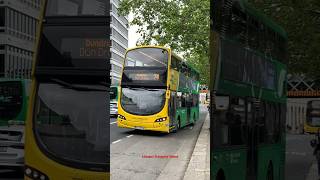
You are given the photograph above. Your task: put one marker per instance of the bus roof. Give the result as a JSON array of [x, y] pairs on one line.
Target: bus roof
[[267, 21], [178, 57]]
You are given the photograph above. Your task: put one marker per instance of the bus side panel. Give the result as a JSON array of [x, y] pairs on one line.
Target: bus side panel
[[231, 162], [182, 113], [268, 154], [194, 114]]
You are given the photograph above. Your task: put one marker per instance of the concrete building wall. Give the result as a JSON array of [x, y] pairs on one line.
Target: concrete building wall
[[119, 39], [18, 22]]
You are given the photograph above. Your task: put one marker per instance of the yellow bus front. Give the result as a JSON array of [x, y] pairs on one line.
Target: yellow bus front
[[67, 127], [144, 93], [154, 122], [67, 131]]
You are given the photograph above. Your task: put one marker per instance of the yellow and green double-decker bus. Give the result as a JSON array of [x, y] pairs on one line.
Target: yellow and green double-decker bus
[[67, 128], [248, 94], [312, 123], [159, 91]]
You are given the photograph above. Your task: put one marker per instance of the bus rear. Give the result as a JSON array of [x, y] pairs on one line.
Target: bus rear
[[144, 92], [312, 124]]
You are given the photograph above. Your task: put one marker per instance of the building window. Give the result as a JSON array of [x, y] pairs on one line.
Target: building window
[[2, 65], [2, 19]]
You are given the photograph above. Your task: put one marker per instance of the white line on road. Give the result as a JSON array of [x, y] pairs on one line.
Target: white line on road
[[113, 122], [129, 136], [116, 141], [297, 153]]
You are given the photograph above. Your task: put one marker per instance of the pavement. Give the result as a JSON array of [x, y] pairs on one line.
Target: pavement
[[313, 172], [199, 165], [299, 156], [145, 155]]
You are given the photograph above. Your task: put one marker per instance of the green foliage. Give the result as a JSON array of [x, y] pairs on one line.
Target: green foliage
[[301, 20], [182, 25], [202, 67]]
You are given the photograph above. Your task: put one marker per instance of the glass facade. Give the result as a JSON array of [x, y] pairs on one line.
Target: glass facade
[[119, 40], [18, 24]]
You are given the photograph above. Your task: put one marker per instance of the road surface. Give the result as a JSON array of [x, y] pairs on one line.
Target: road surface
[[145, 155], [299, 156]]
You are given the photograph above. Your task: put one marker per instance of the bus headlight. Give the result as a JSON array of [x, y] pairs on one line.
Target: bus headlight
[[121, 117], [34, 174], [161, 119]]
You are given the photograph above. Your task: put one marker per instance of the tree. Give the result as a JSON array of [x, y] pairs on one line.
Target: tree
[[301, 20], [182, 25]]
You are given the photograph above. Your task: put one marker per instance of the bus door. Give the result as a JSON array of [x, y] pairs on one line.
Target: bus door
[[188, 99], [252, 139], [172, 108]]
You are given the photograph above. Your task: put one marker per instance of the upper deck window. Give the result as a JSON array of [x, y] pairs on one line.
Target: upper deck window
[[142, 57]]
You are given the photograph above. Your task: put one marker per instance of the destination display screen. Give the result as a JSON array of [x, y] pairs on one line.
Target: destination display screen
[[145, 77], [86, 48], [74, 47]]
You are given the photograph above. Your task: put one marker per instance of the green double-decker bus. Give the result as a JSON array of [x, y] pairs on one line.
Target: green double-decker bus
[[248, 93], [14, 95]]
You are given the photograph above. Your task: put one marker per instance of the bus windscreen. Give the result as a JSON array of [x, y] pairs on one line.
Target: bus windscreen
[[147, 57], [10, 100]]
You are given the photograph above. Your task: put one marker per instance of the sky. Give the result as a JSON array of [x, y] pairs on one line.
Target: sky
[[133, 36]]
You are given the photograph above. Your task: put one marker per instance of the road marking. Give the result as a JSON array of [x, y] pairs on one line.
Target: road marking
[[129, 136], [116, 141], [113, 122], [297, 153]]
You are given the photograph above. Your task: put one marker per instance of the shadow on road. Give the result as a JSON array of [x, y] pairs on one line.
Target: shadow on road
[[154, 133], [10, 175]]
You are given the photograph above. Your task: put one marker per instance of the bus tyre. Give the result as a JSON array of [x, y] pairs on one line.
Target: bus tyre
[[177, 126], [220, 176], [270, 172]]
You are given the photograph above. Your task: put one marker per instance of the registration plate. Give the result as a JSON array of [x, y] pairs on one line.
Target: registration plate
[[139, 128], [3, 149]]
